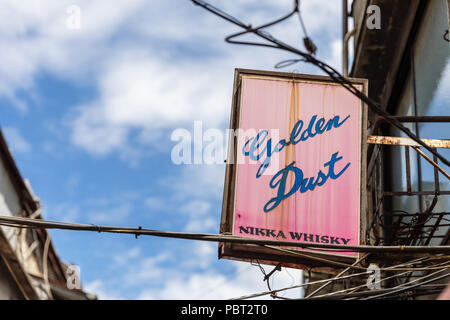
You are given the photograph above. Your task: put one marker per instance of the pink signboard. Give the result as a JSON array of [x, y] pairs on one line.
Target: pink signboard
[[296, 160]]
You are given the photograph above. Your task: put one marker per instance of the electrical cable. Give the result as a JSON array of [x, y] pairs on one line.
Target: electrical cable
[[21, 222], [330, 71], [342, 277]]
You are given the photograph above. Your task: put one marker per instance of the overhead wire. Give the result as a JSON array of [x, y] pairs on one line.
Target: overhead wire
[[401, 287], [330, 71], [353, 289], [342, 277], [20, 222]]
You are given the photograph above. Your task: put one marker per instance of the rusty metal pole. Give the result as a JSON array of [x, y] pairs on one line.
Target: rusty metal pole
[[344, 33], [344, 19]]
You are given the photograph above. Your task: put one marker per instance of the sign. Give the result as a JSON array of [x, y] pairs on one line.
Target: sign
[[295, 166]]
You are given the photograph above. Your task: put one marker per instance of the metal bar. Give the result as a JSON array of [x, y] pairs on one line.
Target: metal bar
[[417, 214], [415, 193], [435, 227], [445, 238], [403, 141], [340, 274], [405, 226], [21, 222], [416, 125], [345, 52], [432, 162], [408, 170], [421, 221], [404, 238], [436, 176], [373, 158], [344, 20], [421, 118], [395, 232], [330, 71]]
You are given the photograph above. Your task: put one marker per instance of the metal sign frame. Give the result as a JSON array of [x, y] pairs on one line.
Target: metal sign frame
[[303, 259]]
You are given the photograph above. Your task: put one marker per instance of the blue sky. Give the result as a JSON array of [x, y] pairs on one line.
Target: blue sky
[[88, 114]]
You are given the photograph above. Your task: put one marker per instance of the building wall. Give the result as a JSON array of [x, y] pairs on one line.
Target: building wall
[[9, 201], [9, 205], [8, 287]]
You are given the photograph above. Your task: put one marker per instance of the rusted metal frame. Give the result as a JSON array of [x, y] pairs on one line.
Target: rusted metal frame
[[380, 189], [420, 213], [373, 160], [378, 196], [408, 170], [395, 230], [375, 199], [372, 182], [406, 143], [437, 189], [422, 118], [446, 238], [340, 274], [405, 225], [434, 228], [372, 185], [436, 177], [432, 162], [370, 202], [374, 223], [416, 125], [405, 238], [403, 141], [417, 229], [414, 193]]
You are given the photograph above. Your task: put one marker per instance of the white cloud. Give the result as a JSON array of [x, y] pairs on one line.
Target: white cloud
[[131, 53], [141, 91], [202, 225], [155, 66], [335, 59], [204, 254], [34, 37], [65, 212], [113, 215], [16, 142], [155, 204], [125, 257], [147, 269], [197, 181], [196, 207], [212, 285], [97, 287], [195, 193], [198, 214], [111, 209]]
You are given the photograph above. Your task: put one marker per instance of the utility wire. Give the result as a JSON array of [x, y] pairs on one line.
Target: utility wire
[[340, 274], [307, 57], [337, 278], [20, 222], [443, 266], [412, 286]]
